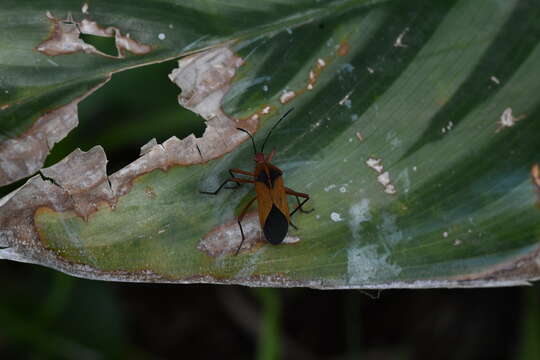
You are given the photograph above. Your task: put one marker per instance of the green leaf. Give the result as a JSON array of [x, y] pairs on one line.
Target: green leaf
[[414, 131]]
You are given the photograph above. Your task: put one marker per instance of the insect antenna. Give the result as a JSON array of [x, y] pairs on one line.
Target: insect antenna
[[272, 128], [252, 140]]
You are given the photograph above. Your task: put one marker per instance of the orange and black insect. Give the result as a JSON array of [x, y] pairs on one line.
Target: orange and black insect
[[271, 193]]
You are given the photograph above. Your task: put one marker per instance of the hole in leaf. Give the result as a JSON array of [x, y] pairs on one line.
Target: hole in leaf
[[132, 108], [6, 189], [106, 45]]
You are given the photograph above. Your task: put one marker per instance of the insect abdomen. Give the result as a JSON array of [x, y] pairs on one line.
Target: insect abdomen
[[276, 226]]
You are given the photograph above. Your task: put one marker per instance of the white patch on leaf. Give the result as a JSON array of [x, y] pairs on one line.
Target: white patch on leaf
[[336, 217], [375, 164], [287, 96], [365, 263], [507, 119], [399, 39]]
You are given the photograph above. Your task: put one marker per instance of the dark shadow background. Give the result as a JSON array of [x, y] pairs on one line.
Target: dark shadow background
[[47, 315]]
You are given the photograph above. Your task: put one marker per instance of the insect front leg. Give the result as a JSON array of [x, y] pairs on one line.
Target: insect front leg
[[238, 171], [233, 179]]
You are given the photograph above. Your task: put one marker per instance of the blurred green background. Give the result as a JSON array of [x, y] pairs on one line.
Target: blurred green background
[[47, 315]]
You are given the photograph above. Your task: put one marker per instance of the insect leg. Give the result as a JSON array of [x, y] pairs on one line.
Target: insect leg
[[240, 218], [298, 196], [238, 171], [269, 158], [233, 179], [300, 207]]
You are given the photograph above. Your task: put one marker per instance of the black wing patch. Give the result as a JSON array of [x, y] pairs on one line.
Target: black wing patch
[[274, 174], [276, 226]]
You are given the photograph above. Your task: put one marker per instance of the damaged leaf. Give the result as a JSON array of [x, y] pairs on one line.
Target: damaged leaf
[[45, 65], [26, 154], [83, 177], [65, 38], [422, 169]]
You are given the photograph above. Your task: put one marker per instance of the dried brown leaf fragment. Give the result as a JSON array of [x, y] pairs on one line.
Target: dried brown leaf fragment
[[24, 155], [204, 78], [65, 38], [83, 176]]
